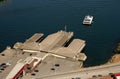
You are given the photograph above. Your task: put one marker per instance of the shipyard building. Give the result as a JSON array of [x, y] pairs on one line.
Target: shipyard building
[[39, 57]]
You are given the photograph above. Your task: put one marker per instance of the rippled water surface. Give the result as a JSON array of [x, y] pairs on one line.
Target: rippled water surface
[[19, 19]]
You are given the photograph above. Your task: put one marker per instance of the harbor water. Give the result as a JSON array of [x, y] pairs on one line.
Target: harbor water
[[20, 19]]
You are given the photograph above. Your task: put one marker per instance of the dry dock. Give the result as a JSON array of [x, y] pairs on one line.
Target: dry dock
[[38, 57]]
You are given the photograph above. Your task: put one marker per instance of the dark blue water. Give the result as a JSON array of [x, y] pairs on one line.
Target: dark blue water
[[19, 19]]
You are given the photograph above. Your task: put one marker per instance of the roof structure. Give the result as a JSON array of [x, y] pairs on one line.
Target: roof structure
[[72, 50], [77, 45], [34, 38], [15, 70], [55, 40], [51, 53]]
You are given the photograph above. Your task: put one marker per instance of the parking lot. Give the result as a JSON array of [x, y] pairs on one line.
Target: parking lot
[[8, 60], [53, 65]]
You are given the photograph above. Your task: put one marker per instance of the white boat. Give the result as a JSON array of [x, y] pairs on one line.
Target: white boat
[[88, 20]]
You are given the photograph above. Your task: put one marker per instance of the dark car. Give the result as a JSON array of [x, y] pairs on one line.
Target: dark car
[[3, 64], [99, 75], [94, 76]]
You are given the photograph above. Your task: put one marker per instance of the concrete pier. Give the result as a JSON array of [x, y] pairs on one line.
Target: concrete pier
[[53, 56]]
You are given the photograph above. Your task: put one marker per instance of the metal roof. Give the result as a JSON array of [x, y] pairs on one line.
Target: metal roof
[[34, 38], [77, 45], [73, 49], [15, 70], [55, 40]]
